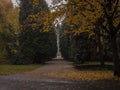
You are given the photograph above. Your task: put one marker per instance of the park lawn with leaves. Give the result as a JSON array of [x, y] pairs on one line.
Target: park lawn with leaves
[[84, 75], [87, 71], [14, 69]]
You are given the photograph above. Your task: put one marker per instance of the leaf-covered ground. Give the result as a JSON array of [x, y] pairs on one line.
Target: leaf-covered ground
[[84, 75], [66, 70]]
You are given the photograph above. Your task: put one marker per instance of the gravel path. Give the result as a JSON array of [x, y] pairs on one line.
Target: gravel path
[[35, 81], [56, 66]]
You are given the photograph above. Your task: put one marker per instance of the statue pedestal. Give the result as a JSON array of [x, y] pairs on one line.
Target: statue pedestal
[[58, 56]]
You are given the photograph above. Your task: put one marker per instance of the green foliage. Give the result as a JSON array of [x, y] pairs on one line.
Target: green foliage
[[65, 46], [82, 48], [35, 46], [25, 9]]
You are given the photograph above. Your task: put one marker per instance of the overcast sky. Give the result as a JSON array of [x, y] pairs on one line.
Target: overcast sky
[[49, 2]]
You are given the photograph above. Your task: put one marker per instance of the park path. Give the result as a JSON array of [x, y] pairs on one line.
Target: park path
[[39, 80], [51, 67]]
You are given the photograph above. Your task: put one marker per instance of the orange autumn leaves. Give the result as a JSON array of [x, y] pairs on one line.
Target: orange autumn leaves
[[76, 19], [80, 16], [83, 75]]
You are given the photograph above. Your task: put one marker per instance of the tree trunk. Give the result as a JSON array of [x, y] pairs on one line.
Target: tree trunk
[[100, 48], [115, 56]]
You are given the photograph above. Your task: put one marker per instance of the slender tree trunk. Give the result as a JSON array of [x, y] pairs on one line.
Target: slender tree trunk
[[115, 56], [101, 54], [100, 48]]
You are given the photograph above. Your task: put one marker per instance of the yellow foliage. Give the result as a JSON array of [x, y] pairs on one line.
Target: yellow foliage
[[81, 16], [35, 3], [10, 14]]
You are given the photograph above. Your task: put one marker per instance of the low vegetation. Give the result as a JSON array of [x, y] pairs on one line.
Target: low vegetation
[[14, 69]]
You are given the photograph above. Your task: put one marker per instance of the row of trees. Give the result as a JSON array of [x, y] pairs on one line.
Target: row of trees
[[93, 26]]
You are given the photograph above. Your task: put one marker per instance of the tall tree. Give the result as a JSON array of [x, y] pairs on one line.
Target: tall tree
[[111, 11], [35, 45]]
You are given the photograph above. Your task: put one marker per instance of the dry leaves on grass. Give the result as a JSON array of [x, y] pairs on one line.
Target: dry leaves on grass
[[83, 75]]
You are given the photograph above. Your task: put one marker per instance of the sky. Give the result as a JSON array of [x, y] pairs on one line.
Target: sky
[[48, 2], [15, 4]]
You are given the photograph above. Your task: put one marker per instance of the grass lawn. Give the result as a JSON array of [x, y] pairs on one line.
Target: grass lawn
[[13, 69], [94, 66]]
